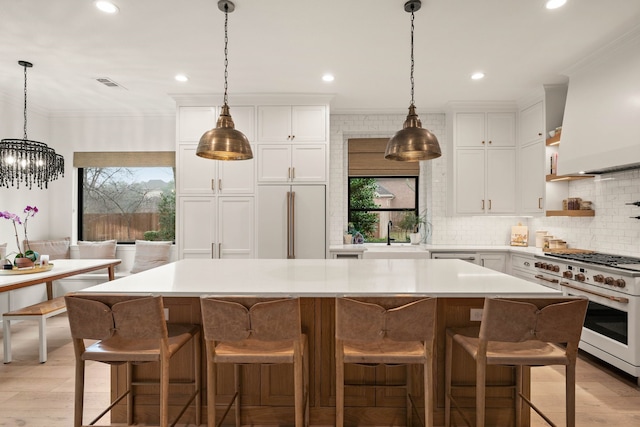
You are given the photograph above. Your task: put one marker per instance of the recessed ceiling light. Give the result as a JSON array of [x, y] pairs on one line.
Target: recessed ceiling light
[[328, 78], [182, 78], [107, 6], [477, 76], [554, 4]]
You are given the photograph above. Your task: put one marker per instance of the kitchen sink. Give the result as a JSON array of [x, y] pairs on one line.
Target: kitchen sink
[[395, 250]]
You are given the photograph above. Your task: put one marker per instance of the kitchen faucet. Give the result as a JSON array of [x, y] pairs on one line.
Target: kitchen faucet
[[389, 239]]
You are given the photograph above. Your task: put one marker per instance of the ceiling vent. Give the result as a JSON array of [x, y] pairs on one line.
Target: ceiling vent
[[108, 82]]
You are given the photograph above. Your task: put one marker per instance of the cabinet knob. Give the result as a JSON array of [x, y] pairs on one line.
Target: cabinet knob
[[489, 142], [539, 133], [482, 142], [293, 137]]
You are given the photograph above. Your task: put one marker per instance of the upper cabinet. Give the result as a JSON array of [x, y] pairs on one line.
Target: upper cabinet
[[298, 123], [484, 163], [195, 121], [531, 158], [485, 130]]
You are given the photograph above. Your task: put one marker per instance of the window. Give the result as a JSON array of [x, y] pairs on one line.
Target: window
[[380, 191], [126, 196], [374, 201]]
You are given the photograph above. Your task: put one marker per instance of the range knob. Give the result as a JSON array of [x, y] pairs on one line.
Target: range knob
[[550, 267], [621, 283], [608, 280], [598, 278], [542, 265], [580, 277], [556, 268], [538, 264], [567, 274]]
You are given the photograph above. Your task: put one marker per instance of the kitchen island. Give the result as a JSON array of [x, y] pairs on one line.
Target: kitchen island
[[458, 285]]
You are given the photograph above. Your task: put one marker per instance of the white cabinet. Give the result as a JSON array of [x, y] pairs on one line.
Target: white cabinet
[[485, 181], [484, 163], [531, 159], [532, 185], [193, 122], [292, 163], [494, 261], [200, 176], [298, 123], [216, 227], [485, 130], [291, 221]]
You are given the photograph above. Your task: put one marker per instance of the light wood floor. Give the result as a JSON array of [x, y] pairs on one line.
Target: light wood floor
[[41, 395]]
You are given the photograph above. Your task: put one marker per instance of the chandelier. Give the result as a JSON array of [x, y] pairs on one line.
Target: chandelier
[[412, 143], [224, 142], [25, 161]]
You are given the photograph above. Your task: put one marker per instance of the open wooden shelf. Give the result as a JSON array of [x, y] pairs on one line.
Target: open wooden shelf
[[555, 140], [581, 212], [554, 177]]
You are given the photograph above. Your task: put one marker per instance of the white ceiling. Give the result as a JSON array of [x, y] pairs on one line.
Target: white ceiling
[[284, 46]]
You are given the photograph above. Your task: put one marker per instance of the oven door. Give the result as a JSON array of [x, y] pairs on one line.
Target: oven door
[[610, 327]]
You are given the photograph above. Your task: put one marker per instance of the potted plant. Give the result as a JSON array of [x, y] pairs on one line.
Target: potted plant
[[347, 237], [27, 257], [412, 225]]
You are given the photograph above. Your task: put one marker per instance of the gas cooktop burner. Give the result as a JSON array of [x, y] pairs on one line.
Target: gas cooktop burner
[[618, 261]]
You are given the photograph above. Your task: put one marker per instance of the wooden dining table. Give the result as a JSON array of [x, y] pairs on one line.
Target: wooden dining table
[[61, 268]]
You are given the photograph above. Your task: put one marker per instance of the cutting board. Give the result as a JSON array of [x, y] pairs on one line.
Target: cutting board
[[568, 251]]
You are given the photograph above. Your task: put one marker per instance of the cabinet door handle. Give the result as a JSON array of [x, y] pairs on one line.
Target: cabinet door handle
[[220, 185], [293, 173], [213, 184], [539, 202], [219, 250], [288, 173], [482, 204], [527, 264], [213, 250], [489, 204]]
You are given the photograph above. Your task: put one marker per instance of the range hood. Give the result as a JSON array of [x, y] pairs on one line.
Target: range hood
[[601, 126]]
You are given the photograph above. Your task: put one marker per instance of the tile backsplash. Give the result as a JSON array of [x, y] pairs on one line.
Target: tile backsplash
[[611, 230]]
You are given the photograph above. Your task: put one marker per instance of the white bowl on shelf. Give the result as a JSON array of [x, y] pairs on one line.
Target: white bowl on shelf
[[552, 133]]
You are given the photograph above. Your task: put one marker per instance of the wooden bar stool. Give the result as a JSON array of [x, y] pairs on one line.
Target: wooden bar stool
[[520, 334], [130, 329], [394, 331], [250, 330]]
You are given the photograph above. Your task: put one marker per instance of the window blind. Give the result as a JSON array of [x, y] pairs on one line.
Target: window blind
[[133, 159], [366, 158]]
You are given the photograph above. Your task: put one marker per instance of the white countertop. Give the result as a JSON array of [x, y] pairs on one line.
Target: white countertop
[[323, 278], [531, 250]]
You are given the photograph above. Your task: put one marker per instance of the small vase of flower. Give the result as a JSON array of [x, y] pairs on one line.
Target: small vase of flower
[[28, 257]]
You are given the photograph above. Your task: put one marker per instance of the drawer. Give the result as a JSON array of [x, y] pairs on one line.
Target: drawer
[[522, 262]]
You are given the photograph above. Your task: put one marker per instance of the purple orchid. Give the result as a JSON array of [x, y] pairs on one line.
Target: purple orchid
[[15, 218]]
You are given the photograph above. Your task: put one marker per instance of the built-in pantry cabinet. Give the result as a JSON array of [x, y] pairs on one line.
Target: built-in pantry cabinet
[[531, 137], [483, 162], [222, 210]]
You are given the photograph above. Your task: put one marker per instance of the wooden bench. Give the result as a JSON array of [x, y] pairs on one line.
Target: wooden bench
[[40, 312]]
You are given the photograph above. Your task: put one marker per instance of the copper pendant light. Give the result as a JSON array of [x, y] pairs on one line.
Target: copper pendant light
[[224, 142], [413, 143]]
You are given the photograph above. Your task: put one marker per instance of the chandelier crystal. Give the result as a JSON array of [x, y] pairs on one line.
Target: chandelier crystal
[[26, 161]]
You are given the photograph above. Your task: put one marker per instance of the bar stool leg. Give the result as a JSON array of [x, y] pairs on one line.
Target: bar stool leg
[[237, 380], [447, 380], [339, 386]]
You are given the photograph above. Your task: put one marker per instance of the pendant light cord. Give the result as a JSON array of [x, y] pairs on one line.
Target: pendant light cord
[[25, 102], [226, 43], [412, 63]]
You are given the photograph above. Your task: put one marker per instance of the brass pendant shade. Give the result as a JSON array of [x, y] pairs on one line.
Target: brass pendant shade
[[224, 142], [413, 143]]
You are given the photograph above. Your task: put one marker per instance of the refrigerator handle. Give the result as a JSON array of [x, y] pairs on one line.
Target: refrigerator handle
[[293, 224], [288, 224]]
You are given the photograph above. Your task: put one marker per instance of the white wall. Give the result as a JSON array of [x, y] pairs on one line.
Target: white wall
[[97, 133]]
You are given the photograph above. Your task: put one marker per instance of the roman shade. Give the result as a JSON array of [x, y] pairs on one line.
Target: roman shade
[[105, 159], [366, 158]]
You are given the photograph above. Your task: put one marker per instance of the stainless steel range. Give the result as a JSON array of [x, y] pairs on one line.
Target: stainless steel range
[[612, 283]]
